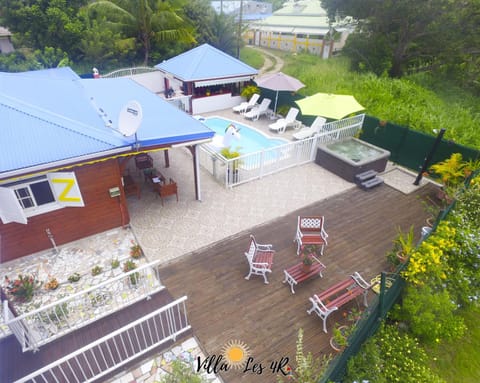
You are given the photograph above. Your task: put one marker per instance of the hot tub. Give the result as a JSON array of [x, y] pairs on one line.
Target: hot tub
[[351, 156]]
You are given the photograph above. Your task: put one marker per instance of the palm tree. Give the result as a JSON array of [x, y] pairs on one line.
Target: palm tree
[[144, 22]]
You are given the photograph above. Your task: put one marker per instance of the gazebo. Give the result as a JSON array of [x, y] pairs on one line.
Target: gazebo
[[208, 77]]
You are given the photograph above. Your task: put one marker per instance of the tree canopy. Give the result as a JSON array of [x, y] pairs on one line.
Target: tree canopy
[[404, 36], [107, 34]]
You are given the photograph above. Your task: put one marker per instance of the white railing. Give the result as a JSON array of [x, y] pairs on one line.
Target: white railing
[[38, 327], [118, 348], [248, 167], [129, 72], [180, 102]]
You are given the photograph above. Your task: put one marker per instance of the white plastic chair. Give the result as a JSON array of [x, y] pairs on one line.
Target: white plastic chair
[[260, 259], [247, 105], [257, 111], [311, 130], [282, 124]]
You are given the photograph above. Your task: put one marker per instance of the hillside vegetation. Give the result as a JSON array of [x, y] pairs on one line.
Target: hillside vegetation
[[419, 102]]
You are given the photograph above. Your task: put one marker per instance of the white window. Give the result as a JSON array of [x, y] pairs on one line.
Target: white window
[[35, 196]]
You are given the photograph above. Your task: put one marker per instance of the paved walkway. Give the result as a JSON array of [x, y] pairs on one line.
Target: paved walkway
[[169, 231]]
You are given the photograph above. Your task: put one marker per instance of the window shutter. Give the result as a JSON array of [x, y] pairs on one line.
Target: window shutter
[[65, 188], [10, 208]]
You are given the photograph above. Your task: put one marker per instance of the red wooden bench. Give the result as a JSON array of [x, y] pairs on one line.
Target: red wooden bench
[[338, 295]]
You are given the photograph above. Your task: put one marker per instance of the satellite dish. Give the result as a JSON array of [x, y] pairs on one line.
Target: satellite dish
[[130, 118]]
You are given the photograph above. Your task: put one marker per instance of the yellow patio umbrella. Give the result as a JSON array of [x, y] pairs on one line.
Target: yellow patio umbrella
[[334, 106]]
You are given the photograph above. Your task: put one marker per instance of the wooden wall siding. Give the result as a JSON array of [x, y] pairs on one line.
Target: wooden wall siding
[[223, 306], [100, 213]]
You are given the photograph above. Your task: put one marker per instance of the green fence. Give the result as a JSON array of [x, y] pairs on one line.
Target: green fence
[[378, 309], [408, 147], [369, 323]]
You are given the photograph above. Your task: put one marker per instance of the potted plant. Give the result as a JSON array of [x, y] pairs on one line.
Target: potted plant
[[130, 265], [339, 339], [75, 277], [96, 270], [432, 210], [52, 284], [115, 263], [22, 288], [341, 333], [307, 262], [136, 251], [404, 244], [233, 169]]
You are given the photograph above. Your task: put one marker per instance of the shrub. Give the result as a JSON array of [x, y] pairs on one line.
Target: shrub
[[390, 356], [249, 90], [308, 369], [430, 314], [429, 261]]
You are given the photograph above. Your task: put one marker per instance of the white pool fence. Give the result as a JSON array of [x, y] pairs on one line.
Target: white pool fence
[[248, 167]]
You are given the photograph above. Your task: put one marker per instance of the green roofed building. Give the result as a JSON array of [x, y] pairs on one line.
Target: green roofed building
[[300, 26]]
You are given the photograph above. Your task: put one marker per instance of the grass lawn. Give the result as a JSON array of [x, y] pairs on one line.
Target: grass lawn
[[459, 361], [418, 102]]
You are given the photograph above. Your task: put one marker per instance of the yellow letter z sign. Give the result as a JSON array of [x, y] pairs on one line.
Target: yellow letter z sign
[[65, 188]]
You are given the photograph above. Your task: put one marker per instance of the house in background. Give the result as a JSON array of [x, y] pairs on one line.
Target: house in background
[[6, 45], [251, 10], [300, 26], [205, 78], [65, 145]]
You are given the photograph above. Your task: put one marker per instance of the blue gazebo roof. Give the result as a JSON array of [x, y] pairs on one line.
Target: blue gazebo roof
[[206, 62]]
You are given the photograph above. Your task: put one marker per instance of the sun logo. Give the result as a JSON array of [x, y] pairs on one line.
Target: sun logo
[[235, 353]]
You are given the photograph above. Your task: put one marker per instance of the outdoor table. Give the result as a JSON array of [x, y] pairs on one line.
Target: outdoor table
[[295, 274]]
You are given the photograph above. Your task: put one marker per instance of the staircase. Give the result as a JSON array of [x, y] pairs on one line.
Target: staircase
[[368, 180]]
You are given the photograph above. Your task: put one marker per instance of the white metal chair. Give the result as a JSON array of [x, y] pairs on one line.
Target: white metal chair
[[257, 111], [310, 131], [247, 105], [290, 119], [310, 231], [260, 259]]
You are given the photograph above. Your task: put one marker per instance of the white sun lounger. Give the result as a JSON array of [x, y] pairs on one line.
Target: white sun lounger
[[256, 112], [311, 130], [247, 105], [290, 119]]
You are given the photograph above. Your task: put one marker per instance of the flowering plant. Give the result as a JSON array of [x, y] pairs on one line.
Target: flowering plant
[[52, 284], [22, 288], [135, 250], [430, 259], [307, 259]]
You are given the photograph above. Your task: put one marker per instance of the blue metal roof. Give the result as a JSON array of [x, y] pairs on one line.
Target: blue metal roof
[[30, 136], [205, 62], [53, 115]]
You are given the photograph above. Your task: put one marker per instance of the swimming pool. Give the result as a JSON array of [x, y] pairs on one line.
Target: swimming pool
[[251, 140]]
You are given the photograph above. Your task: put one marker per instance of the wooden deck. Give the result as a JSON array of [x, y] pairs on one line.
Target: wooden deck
[[223, 306]]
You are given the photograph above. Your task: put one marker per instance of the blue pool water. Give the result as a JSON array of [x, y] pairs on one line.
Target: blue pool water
[[251, 140]]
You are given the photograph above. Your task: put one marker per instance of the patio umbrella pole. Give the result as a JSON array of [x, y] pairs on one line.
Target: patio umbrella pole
[[275, 107]]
